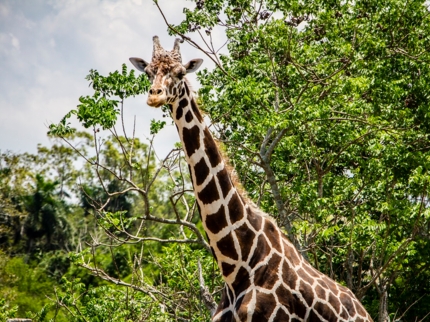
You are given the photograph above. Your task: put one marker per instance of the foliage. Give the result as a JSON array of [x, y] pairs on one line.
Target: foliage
[[101, 109], [323, 109], [24, 289], [176, 277], [328, 102], [133, 202], [6, 311], [120, 227]]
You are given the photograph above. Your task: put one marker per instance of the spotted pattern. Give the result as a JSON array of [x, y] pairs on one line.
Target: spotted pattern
[[266, 278]]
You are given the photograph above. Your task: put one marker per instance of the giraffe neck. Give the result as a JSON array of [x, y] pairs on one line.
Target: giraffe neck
[[266, 277], [221, 206]]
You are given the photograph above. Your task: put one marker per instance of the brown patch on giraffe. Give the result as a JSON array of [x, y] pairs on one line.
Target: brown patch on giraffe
[[174, 91], [322, 283], [304, 276], [347, 303], [196, 110], [334, 301], [180, 109], [211, 148], [226, 247], [282, 316], [289, 275], [359, 308], [320, 292], [245, 236], [216, 222], [235, 208], [188, 116], [186, 88], [264, 307], [240, 310], [344, 314], [272, 233], [209, 193], [325, 311], [310, 270], [191, 138], [182, 92], [241, 306], [261, 250], [290, 301], [266, 276], [201, 171], [227, 317], [227, 268], [230, 170], [331, 285], [241, 282], [345, 290], [359, 320], [307, 292], [292, 255], [224, 182], [254, 220], [285, 298], [170, 88], [313, 317]]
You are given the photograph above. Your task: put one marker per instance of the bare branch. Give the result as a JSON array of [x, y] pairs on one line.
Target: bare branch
[[204, 292]]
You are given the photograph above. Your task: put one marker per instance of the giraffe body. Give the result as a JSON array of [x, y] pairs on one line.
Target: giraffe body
[[266, 278]]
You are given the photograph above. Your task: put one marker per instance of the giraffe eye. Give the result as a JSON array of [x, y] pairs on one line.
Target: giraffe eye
[[180, 74], [148, 74]]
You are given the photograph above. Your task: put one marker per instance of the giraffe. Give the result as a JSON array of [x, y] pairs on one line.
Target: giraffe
[[266, 278]]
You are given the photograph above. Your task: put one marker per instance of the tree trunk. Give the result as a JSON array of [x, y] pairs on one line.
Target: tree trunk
[[383, 306]]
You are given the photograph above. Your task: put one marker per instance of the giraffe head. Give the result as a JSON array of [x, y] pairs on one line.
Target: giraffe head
[[165, 72]]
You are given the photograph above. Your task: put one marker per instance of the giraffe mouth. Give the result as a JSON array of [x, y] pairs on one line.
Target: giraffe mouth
[[156, 101]]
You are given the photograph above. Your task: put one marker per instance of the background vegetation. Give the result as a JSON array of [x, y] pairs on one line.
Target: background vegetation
[[323, 109]]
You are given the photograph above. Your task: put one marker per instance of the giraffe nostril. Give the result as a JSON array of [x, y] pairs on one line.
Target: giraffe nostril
[[154, 91]]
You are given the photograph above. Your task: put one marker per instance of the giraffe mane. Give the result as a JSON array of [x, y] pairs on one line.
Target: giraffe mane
[[238, 184], [232, 172], [230, 169], [190, 86]]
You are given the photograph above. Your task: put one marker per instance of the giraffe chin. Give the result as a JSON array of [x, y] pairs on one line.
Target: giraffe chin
[[155, 102]]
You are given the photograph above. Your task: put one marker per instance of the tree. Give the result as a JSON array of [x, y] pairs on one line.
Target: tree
[[44, 217], [322, 107], [140, 206], [328, 101]]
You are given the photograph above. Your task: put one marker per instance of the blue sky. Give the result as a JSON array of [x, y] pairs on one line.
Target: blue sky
[[47, 48]]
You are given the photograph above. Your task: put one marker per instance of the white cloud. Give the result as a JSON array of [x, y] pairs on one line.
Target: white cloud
[[14, 41], [47, 48], [4, 10]]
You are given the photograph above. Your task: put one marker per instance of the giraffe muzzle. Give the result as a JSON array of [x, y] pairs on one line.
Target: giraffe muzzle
[[156, 97]]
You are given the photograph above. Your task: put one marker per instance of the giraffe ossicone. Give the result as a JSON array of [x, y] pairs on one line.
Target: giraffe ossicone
[[266, 278]]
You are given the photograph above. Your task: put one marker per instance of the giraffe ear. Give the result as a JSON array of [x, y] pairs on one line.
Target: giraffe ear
[[193, 65], [139, 63]]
